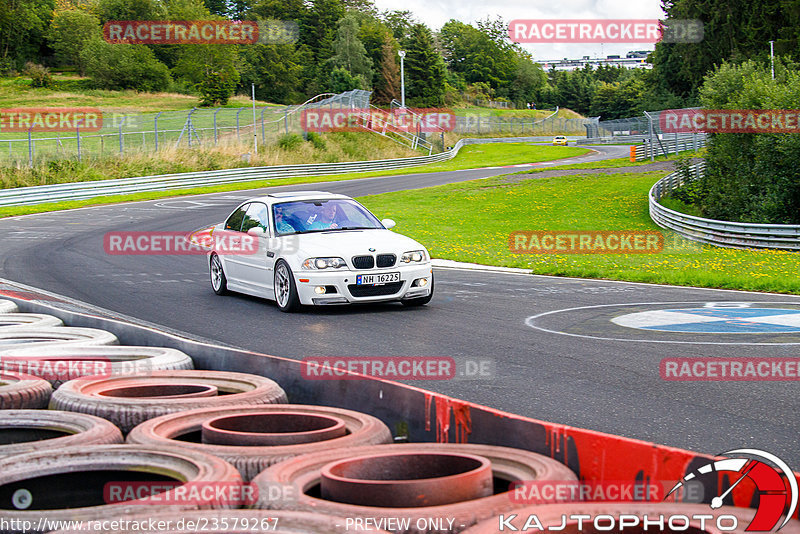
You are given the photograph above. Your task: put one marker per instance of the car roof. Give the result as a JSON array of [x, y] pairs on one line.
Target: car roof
[[297, 195]]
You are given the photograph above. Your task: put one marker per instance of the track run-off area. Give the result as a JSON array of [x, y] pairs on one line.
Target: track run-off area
[[586, 353]]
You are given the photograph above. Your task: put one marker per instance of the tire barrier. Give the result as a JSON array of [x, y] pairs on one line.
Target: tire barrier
[[11, 338], [248, 427], [301, 477], [24, 431], [130, 400], [21, 391], [234, 522], [58, 364], [677, 517], [80, 484], [8, 306], [36, 320]]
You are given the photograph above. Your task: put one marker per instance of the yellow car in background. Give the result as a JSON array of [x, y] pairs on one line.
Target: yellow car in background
[[560, 140]]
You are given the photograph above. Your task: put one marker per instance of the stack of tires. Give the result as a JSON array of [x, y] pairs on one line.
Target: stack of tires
[[134, 439]]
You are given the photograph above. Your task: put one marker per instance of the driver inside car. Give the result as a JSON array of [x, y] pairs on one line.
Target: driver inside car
[[325, 217]]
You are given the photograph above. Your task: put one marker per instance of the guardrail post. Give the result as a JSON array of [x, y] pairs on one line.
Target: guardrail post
[[155, 126], [30, 148], [263, 139], [78, 137], [237, 123], [215, 125], [121, 142]]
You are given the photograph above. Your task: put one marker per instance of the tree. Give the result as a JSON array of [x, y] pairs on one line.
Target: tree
[[124, 66], [69, 32], [387, 86], [349, 51], [129, 10], [618, 100], [276, 70], [752, 177], [528, 81], [22, 28], [341, 80], [211, 69], [425, 69]]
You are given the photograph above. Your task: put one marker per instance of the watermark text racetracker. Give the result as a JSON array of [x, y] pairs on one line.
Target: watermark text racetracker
[[50, 119], [398, 368], [352, 120], [605, 31], [201, 31], [730, 369], [192, 243], [585, 242], [730, 120]]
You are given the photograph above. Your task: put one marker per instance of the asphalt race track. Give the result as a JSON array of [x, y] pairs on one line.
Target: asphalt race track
[[557, 355]]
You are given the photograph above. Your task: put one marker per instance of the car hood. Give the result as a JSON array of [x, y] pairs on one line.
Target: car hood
[[349, 243]]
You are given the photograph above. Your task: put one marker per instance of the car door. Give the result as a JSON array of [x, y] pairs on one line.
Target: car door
[[232, 232], [255, 272]]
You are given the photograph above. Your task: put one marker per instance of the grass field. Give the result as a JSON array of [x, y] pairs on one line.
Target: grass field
[[471, 222], [469, 157]]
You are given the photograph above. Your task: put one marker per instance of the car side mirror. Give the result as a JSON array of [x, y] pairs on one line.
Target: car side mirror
[[388, 223], [256, 230]]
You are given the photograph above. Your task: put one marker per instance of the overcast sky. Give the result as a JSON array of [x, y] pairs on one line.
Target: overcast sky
[[435, 13]]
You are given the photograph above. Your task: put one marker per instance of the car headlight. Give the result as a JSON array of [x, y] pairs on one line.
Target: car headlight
[[323, 263], [413, 256]]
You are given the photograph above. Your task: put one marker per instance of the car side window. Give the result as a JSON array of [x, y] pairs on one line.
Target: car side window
[[234, 222], [255, 216]]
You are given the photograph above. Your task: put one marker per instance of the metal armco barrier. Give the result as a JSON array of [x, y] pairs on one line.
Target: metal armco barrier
[[165, 182], [720, 233], [650, 148]]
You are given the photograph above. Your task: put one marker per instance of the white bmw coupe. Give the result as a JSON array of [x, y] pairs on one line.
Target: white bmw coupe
[[315, 248]]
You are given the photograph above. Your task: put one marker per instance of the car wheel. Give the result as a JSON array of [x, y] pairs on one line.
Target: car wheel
[[421, 301], [219, 283], [285, 289]]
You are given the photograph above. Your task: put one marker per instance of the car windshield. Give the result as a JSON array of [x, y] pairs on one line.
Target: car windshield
[[305, 216]]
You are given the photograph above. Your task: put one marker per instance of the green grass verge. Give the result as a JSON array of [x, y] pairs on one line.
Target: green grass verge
[[469, 157], [471, 222]]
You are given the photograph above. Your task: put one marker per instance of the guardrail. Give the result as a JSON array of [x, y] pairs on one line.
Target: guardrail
[[164, 182], [720, 233]]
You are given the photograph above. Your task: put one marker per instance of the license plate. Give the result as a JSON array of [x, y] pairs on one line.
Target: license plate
[[377, 279]]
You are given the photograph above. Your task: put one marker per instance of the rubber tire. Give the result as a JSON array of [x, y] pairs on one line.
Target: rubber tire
[[362, 430], [83, 430], [223, 286], [551, 515], [303, 472], [19, 391], [280, 521], [82, 395], [196, 468], [123, 359], [293, 301], [57, 335], [421, 301], [8, 306], [32, 320]]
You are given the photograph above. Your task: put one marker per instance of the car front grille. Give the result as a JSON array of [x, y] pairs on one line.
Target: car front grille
[[375, 291], [386, 260], [363, 262]]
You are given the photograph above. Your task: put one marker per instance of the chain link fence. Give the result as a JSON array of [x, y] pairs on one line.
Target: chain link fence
[[127, 133]]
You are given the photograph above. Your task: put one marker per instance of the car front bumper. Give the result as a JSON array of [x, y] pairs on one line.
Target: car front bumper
[[340, 286]]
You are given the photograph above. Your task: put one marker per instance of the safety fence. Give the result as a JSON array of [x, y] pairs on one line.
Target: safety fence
[[98, 188], [125, 133]]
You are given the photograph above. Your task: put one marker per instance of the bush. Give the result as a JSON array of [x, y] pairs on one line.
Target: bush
[[124, 66], [751, 177], [317, 141], [7, 67], [217, 88], [289, 141], [39, 75]]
